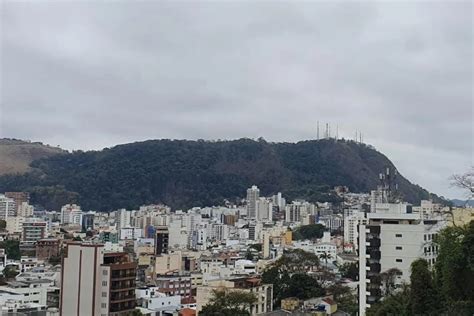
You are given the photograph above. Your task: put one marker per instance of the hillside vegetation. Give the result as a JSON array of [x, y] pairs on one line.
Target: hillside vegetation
[[184, 173], [16, 155]]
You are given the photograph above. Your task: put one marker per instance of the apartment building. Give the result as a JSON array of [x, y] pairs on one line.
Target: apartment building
[[94, 282], [392, 237]]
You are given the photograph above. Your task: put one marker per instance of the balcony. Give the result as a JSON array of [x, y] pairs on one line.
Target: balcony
[[374, 242], [373, 254], [121, 307], [375, 229], [121, 298], [374, 267], [122, 285]]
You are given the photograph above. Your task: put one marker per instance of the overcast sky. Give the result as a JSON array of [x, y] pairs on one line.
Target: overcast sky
[[92, 74]]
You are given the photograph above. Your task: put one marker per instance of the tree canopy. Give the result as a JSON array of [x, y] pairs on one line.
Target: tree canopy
[[290, 278], [198, 173], [12, 249], [311, 231], [229, 303]]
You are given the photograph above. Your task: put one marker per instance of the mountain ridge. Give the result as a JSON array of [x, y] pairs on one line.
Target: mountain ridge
[[183, 173], [16, 155]]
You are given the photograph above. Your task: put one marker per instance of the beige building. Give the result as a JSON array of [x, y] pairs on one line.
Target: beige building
[[96, 283], [168, 263], [264, 292]]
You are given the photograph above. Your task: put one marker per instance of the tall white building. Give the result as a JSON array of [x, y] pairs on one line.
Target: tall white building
[[7, 207], [253, 194], [264, 210], [279, 201], [71, 214], [123, 218], [25, 210], [392, 237]]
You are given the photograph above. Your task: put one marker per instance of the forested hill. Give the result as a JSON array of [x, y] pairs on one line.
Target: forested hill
[[16, 155], [184, 173]]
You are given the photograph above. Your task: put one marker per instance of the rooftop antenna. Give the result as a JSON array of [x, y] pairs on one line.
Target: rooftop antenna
[[329, 135], [327, 131], [318, 130], [337, 131]]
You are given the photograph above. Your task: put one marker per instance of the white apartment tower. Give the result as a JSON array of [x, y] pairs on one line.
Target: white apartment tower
[[71, 214], [264, 210], [7, 207], [253, 194], [392, 237], [123, 218]]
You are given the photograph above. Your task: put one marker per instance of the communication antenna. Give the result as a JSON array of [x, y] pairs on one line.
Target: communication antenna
[[317, 130], [337, 131]]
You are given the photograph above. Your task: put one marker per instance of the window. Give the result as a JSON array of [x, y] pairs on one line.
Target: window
[[105, 272], [103, 305], [399, 260], [398, 248], [104, 294], [398, 235], [424, 237], [104, 283]]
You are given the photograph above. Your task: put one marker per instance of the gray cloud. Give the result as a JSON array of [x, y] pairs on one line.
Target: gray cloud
[[90, 74]]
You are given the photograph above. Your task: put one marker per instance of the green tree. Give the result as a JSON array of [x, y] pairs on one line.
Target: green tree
[[297, 260], [303, 286], [325, 256], [349, 270], [3, 224], [454, 266], [10, 272], [289, 276], [311, 231], [396, 304], [423, 298], [12, 249], [229, 303], [344, 297], [388, 279]]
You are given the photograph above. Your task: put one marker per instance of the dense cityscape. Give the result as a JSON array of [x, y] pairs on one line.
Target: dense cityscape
[[236, 158], [264, 256]]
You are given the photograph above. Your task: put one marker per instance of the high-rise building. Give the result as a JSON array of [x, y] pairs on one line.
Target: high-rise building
[[18, 197], [33, 229], [264, 210], [7, 207], [123, 218], [24, 210], [161, 240], [253, 194], [392, 237], [96, 283], [88, 221], [71, 214]]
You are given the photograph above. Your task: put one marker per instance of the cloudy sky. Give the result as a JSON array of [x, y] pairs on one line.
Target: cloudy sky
[[92, 74]]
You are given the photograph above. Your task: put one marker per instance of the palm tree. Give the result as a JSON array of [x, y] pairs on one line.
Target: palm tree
[[325, 256]]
